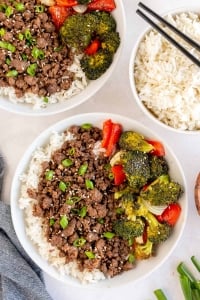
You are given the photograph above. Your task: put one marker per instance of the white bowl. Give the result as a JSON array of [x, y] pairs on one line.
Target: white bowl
[[85, 94], [143, 268], [143, 98]]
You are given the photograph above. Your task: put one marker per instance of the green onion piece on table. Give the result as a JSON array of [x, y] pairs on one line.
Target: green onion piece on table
[[160, 294]]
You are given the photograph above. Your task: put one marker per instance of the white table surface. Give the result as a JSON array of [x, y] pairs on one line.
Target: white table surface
[[17, 132]]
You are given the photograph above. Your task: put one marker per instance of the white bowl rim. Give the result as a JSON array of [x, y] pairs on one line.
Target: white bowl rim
[[17, 214], [145, 110], [83, 96]]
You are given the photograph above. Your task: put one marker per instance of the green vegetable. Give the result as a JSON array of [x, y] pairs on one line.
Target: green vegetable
[[86, 126], [128, 229], [105, 23], [73, 200], [49, 174], [9, 11], [143, 251], [186, 287], [82, 212], [108, 235], [196, 262], [162, 191], [72, 151], [64, 222], [37, 53], [2, 32], [89, 184], [20, 36], [67, 162], [95, 65], [131, 258], [131, 140], [110, 42], [12, 73], [19, 7], [90, 254], [28, 37], [39, 8], [31, 70], [79, 242], [63, 185], [7, 46], [83, 169], [51, 221], [158, 166], [160, 294]]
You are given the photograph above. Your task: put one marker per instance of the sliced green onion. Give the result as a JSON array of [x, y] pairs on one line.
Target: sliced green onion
[[49, 174], [89, 184], [8, 61], [131, 258], [37, 53], [7, 46], [196, 262], [45, 99], [90, 254], [86, 126], [51, 221], [100, 220], [82, 169], [72, 151], [108, 235], [79, 242], [31, 70], [82, 212], [67, 162], [24, 56], [9, 11], [3, 7], [12, 73], [64, 222], [186, 287], [160, 294], [184, 271], [39, 8], [119, 210], [20, 36], [2, 32], [19, 6], [63, 185], [73, 200], [29, 39]]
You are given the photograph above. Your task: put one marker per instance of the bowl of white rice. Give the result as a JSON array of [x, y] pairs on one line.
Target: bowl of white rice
[[30, 228], [164, 82], [45, 99]]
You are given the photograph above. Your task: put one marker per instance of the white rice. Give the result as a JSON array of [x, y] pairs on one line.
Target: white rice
[[80, 82], [34, 227], [167, 82]]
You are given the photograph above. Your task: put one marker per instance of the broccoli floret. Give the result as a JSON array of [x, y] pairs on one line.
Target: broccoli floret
[[110, 41], [158, 166], [77, 30], [162, 191], [129, 229], [106, 22], [157, 232], [143, 251], [95, 65], [130, 140], [136, 168]]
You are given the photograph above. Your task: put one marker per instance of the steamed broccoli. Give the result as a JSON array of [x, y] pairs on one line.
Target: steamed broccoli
[[131, 140], [77, 30], [162, 191], [158, 166], [136, 168], [143, 251], [95, 65], [110, 41], [105, 23], [129, 229]]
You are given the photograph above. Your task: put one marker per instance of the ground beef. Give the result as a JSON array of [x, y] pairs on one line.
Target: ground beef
[[88, 213], [52, 73]]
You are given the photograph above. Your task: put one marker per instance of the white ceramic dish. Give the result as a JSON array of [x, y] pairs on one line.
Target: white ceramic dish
[[89, 91], [146, 111], [144, 268]]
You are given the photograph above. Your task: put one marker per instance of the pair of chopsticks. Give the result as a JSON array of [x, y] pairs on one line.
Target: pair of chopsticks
[[167, 36]]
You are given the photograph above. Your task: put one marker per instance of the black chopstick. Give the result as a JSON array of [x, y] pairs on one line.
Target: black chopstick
[[167, 36]]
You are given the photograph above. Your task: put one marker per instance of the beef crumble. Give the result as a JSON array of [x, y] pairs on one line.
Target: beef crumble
[[78, 219], [31, 57]]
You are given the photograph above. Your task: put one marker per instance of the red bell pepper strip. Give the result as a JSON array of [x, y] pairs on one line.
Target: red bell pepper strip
[[105, 5], [159, 149], [119, 175], [93, 47], [114, 138], [59, 14], [107, 128], [66, 3], [171, 214]]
